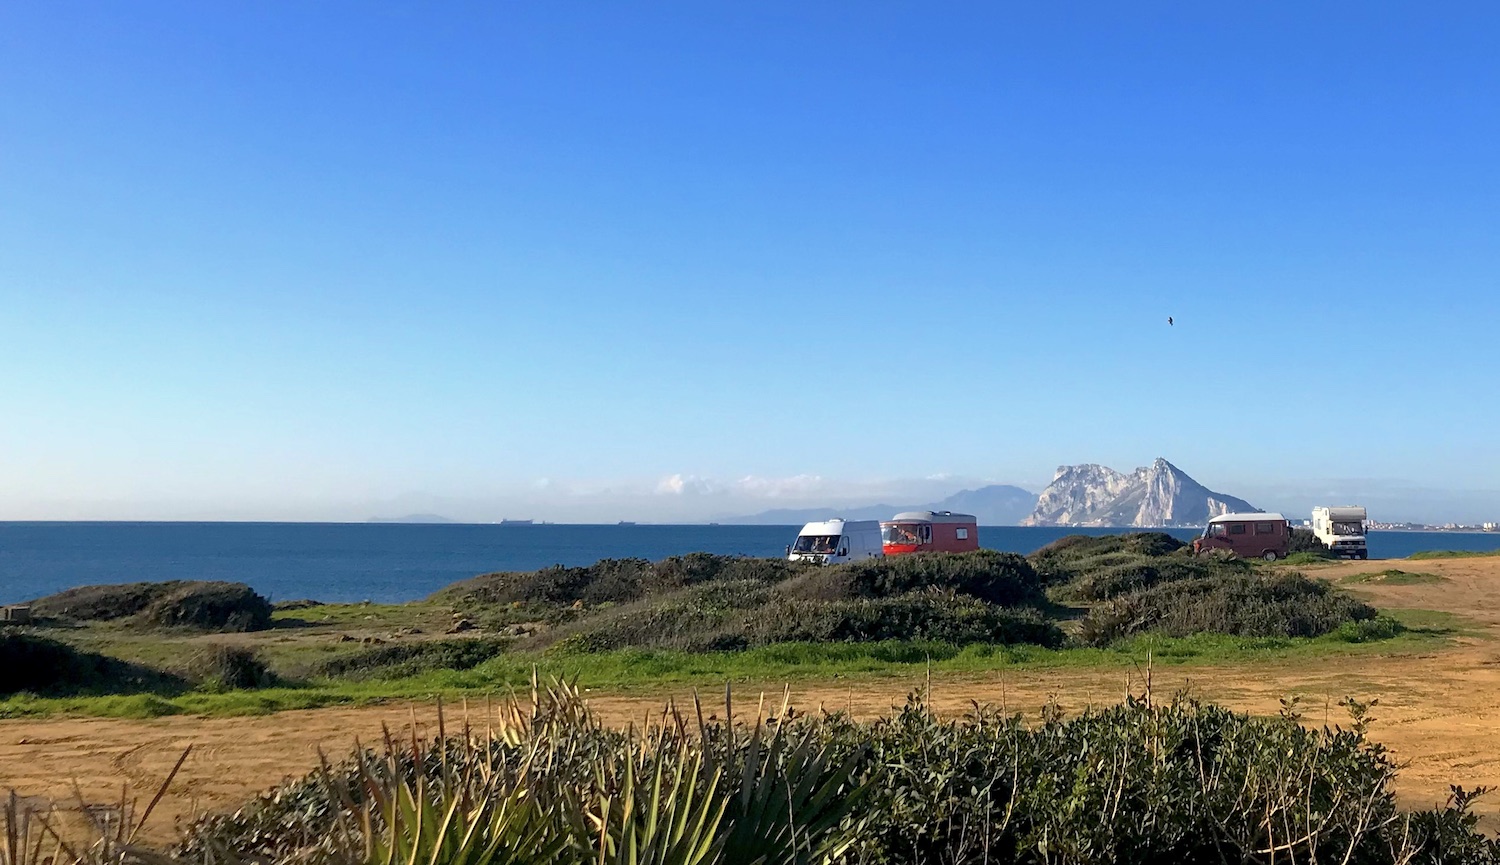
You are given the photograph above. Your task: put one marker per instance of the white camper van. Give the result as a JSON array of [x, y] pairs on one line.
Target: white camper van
[[1342, 530], [831, 542]]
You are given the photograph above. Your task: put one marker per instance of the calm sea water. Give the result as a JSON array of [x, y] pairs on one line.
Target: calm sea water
[[392, 562]]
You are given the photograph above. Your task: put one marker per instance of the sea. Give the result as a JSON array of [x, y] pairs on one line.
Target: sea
[[393, 562]]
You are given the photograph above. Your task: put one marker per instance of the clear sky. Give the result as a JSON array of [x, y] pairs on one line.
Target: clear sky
[[588, 261]]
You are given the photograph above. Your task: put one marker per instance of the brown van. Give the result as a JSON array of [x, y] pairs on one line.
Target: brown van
[[1261, 536]]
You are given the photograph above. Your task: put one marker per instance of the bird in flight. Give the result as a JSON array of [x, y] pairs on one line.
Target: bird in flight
[[1169, 321]]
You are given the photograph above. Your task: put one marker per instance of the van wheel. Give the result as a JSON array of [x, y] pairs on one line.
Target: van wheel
[[1269, 555]]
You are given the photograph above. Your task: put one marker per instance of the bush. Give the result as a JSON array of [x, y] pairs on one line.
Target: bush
[[411, 659], [1140, 782], [1069, 557], [1004, 579], [1304, 541], [1277, 605], [210, 606], [231, 668], [616, 581], [918, 616], [37, 664], [708, 617]]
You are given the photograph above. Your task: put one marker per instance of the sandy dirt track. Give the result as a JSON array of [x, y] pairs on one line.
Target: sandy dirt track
[[1439, 712]]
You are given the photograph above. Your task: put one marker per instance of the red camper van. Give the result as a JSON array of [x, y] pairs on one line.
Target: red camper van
[[1262, 536], [929, 532]]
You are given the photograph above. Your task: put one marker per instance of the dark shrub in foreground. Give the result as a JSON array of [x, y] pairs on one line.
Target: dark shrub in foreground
[[47, 667], [412, 658], [1279, 605], [1180, 783], [210, 606], [36, 664], [231, 668]]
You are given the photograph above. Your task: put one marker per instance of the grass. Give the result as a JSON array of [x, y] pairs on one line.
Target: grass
[[1394, 577], [1453, 554], [643, 670], [1305, 558]]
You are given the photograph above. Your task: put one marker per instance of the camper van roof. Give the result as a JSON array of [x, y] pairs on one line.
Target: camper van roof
[[1246, 518], [931, 517]]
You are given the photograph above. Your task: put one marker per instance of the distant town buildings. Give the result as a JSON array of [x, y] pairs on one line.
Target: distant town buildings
[[1445, 527]]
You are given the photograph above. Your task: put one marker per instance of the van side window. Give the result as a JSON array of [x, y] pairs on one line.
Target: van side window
[[962, 534], [1264, 529], [1236, 528], [927, 534]]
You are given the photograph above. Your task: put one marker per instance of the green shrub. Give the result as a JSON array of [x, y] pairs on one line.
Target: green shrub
[[1069, 557], [1369, 630], [231, 668], [1140, 782], [1005, 579], [1304, 541], [411, 658], [210, 606], [1252, 605], [616, 581], [918, 616], [707, 617]]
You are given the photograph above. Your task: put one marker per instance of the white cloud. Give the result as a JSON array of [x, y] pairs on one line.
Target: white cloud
[[684, 485], [773, 488]]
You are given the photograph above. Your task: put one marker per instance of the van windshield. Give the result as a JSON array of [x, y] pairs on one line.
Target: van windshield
[[816, 544], [1348, 529], [904, 534], [1215, 530]]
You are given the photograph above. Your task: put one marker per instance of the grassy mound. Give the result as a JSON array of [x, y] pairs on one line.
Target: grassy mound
[[1003, 579], [745, 615], [209, 606], [1067, 558], [979, 597], [410, 659], [613, 581], [1090, 569], [1250, 605], [1394, 577], [1454, 554]]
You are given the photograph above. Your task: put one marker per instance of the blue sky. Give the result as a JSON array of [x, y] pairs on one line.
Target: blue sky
[[590, 261]]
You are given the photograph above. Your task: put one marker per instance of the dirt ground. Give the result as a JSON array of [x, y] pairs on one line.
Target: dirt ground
[[1438, 712]]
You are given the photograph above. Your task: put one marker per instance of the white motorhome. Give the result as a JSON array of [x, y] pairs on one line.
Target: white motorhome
[[831, 542], [1342, 530]]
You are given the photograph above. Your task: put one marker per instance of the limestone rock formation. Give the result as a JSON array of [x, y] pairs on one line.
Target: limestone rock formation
[[1158, 495]]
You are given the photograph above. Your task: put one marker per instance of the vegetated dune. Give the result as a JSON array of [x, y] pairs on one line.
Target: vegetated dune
[[210, 606]]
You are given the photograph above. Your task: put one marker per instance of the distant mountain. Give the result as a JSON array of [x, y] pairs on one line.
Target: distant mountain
[[1158, 495], [995, 505], [412, 518]]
